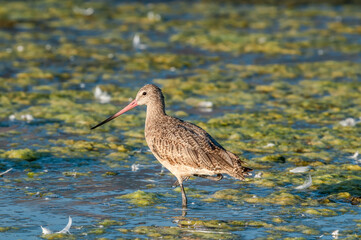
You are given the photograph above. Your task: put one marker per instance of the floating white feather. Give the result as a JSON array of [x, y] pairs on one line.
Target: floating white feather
[[67, 227], [258, 175], [354, 156], [335, 234], [64, 230], [20, 48], [46, 230], [269, 145], [349, 122], [6, 172], [27, 117], [154, 16], [135, 167], [307, 184], [300, 169], [137, 44], [205, 104], [83, 11], [102, 96]]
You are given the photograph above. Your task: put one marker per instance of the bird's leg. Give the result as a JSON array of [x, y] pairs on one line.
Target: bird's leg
[[217, 178], [184, 212], [176, 183], [184, 197]]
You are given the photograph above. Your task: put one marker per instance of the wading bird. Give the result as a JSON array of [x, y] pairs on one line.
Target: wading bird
[[183, 148]]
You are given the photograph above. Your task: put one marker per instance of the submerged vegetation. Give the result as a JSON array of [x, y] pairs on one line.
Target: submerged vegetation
[[277, 84]]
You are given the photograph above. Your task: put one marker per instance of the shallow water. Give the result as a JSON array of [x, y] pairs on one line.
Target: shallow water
[[281, 81]]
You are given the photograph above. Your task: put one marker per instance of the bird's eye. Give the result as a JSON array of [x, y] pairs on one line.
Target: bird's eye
[[144, 93]]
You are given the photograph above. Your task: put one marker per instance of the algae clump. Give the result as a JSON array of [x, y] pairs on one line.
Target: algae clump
[[109, 222], [24, 154], [4, 229], [141, 198], [227, 194], [58, 236], [158, 232]]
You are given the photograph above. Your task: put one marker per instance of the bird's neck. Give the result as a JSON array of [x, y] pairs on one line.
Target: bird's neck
[[155, 112]]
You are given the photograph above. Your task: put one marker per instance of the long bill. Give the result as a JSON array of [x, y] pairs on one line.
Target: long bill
[[131, 105]]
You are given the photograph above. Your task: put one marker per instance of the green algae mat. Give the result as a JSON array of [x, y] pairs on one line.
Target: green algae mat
[[279, 85]]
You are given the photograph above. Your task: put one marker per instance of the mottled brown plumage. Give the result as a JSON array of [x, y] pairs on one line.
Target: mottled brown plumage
[[182, 147]]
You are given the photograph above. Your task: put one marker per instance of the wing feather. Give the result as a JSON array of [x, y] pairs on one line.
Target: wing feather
[[187, 144]]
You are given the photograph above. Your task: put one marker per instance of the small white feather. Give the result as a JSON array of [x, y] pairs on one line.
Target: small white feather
[[269, 145], [83, 11], [354, 156], [64, 231], [135, 167], [6, 172], [348, 122], [258, 175], [27, 117], [205, 104], [20, 48], [307, 184], [67, 227], [335, 234], [102, 96], [12, 117], [137, 44], [46, 230], [300, 169]]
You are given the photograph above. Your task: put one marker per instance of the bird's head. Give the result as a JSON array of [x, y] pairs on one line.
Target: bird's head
[[147, 94]]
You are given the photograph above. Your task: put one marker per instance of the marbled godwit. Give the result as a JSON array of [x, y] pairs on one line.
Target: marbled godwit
[[183, 148]]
